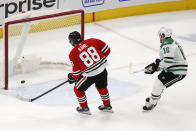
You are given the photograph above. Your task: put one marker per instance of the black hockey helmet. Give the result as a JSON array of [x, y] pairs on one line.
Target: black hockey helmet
[[75, 37]]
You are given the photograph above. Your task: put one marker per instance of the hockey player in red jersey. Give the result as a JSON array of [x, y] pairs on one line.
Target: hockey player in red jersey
[[88, 59]]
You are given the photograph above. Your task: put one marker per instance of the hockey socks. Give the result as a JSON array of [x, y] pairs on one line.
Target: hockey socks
[[81, 98], [104, 95]]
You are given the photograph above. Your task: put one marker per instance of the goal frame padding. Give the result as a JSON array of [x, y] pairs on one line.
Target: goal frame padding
[[6, 25]]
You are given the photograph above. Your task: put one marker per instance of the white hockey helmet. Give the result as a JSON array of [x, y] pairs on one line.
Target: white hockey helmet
[[166, 31]]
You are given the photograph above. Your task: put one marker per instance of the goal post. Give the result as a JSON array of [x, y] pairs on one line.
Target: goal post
[[20, 32]]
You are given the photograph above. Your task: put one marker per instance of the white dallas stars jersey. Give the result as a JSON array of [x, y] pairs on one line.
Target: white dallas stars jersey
[[172, 57]]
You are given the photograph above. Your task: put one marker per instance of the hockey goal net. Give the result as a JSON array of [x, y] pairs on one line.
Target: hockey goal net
[[36, 48]]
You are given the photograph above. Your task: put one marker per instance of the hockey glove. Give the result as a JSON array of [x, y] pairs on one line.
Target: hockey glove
[[151, 68], [71, 80]]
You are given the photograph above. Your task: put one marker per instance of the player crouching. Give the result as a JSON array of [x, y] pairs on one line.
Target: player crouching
[[173, 64], [88, 60]]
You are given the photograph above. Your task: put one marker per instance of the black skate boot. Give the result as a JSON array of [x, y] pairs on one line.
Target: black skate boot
[[148, 106], [83, 110], [105, 108]]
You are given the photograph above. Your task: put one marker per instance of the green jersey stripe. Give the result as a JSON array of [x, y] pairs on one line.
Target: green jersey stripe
[[166, 61]]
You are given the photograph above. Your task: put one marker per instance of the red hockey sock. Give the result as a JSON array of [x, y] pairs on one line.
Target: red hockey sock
[[81, 97], [104, 95]]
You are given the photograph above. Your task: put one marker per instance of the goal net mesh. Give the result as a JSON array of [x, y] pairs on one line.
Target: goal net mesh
[[36, 46]]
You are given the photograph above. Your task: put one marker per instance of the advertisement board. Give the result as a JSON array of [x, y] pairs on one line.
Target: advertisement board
[[100, 5], [11, 7]]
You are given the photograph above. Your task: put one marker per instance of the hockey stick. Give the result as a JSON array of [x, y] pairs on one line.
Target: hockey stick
[[35, 98], [133, 72], [141, 70]]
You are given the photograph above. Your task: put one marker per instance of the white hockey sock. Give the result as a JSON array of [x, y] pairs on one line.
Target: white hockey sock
[[157, 90]]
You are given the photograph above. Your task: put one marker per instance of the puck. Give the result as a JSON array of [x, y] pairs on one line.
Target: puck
[[22, 81]]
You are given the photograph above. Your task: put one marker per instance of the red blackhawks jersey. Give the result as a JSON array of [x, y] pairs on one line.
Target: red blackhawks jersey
[[89, 57]]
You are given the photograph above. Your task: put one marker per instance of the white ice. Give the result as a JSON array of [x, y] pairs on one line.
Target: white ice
[[133, 41]]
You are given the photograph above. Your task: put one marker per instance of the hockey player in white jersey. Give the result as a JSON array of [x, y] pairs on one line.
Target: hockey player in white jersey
[[172, 64]]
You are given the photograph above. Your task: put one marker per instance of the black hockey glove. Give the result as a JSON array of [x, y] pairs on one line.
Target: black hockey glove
[[71, 80], [151, 68]]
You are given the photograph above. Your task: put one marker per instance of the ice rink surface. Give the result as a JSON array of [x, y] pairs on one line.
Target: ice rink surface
[[133, 40]]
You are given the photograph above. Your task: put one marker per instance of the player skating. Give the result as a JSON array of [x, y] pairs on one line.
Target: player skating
[[172, 63], [88, 59]]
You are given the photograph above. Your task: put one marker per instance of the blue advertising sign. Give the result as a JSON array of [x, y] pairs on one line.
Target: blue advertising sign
[[89, 3], [123, 0]]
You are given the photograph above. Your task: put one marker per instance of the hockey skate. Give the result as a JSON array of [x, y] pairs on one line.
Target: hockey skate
[[105, 108], [83, 110], [148, 106]]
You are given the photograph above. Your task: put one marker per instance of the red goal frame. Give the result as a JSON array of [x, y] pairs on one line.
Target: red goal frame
[[6, 25]]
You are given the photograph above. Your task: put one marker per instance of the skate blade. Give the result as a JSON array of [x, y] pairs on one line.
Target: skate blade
[[109, 111], [148, 109], [86, 113]]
